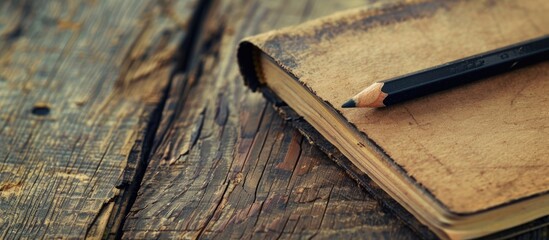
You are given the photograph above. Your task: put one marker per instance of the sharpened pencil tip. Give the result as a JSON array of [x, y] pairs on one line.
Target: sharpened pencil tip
[[349, 104]]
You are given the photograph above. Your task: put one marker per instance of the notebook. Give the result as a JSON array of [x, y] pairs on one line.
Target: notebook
[[466, 162]]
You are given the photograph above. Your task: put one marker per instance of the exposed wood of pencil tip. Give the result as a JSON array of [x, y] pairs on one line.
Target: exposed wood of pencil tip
[[372, 96]]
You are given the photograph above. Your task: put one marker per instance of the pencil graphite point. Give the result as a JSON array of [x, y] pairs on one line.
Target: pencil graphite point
[[349, 104]]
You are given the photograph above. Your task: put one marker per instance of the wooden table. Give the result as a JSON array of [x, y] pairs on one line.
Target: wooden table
[[128, 118]]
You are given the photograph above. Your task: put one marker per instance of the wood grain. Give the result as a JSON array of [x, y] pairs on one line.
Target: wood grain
[[79, 82], [230, 167]]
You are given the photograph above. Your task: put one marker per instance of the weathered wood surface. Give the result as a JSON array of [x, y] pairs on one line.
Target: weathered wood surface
[[230, 167], [79, 82]]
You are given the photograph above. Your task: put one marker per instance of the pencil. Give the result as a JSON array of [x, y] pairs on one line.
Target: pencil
[[403, 88]]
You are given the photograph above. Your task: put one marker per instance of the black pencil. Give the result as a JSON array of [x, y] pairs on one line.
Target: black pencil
[[388, 92]]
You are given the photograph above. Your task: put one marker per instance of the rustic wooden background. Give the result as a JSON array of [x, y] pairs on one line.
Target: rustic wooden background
[[128, 119]]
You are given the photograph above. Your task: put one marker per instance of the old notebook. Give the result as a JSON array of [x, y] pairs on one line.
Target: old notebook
[[466, 162]]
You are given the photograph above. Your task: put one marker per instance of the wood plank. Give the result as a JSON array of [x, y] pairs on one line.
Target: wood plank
[[79, 83], [230, 167]]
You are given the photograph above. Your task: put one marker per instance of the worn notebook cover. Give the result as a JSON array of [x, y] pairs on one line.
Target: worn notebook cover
[[473, 148]]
